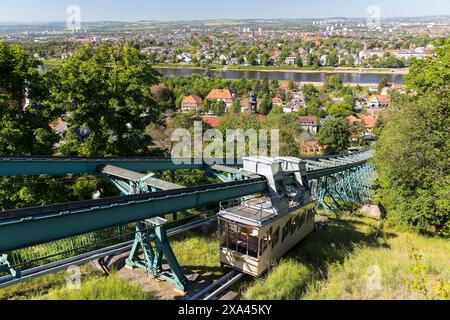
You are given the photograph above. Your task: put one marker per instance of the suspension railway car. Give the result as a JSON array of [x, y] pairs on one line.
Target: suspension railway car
[[255, 233]]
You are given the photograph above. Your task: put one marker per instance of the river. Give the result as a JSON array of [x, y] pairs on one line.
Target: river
[[361, 78], [313, 77]]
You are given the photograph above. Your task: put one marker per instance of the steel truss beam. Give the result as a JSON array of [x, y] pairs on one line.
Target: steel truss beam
[[32, 226]]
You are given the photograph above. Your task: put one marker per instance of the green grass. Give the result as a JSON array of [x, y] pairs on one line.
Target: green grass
[[198, 253], [331, 264], [194, 252], [103, 288], [338, 263], [43, 285]]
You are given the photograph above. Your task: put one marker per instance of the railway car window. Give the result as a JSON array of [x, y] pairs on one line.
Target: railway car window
[[232, 237], [223, 233], [264, 243], [275, 238], [242, 240], [253, 240]]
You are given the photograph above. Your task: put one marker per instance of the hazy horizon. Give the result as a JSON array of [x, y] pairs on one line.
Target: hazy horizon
[[54, 11], [218, 19]]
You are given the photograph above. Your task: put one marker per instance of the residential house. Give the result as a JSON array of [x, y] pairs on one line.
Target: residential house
[[393, 87], [290, 60], [191, 103], [250, 104], [324, 60], [379, 102], [367, 54], [369, 122], [291, 107], [309, 124], [225, 95]]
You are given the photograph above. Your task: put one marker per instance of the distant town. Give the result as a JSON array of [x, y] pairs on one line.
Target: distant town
[[306, 43]]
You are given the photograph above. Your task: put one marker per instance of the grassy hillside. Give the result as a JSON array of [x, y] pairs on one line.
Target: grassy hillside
[[358, 258], [355, 258], [103, 288]]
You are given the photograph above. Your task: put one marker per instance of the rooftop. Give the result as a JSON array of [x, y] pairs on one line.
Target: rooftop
[[216, 94]]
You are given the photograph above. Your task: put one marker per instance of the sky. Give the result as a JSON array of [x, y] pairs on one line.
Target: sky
[[169, 10]]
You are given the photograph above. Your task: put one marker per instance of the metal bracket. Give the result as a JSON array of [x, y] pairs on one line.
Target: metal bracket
[[5, 266], [151, 237]]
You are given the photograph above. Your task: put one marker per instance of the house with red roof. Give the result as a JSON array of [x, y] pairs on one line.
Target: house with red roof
[[217, 95], [379, 102], [190, 103], [369, 122], [309, 124]]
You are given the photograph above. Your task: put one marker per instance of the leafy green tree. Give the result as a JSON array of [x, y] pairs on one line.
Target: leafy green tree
[[235, 107], [351, 61], [25, 130], [265, 59], [299, 61], [252, 59], [105, 91], [333, 83], [333, 59], [266, 105], [24, 111], [335, 136], [340, 109], [413, 150], [383, 83]]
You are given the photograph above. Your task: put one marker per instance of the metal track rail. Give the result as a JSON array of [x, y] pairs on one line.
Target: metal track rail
[[29, 166], [217, 288], [81, 259]]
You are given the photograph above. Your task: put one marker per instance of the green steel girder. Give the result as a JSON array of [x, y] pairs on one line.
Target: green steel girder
[[61, 166], [29, 166], [27, 227], [334, 189], [155, 245], [130, 182]]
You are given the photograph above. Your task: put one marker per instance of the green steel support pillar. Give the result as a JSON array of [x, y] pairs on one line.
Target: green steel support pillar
[[151, 236], [5, 266]]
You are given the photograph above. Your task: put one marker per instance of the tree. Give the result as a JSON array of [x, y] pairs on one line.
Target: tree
[[333, 59], [25, 116], [106, 92], [252, 59], [24, 126], [383, 83], [235, 107], [312, 60], [299, 61], [414, 148], [265, 59], [351, 61], [340, 109], [266, 105], [335, 136], [333, 83]]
